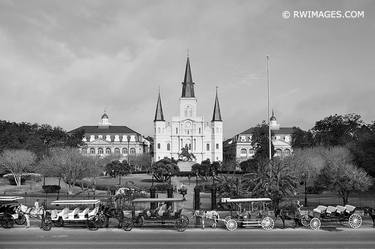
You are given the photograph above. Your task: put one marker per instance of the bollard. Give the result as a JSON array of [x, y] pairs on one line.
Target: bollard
[[197, 198], [153, 195], [213, 197]]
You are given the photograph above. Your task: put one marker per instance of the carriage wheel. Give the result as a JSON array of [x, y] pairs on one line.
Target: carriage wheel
[[267, 223], [47, 224], [315, 224], [355, 221], [231, 225], [139, 221], [181, 224], [21, 219], [127, 224], [93, 223], [304, 221], [101, 220], [7, 222], [59, 222], [185, 218]]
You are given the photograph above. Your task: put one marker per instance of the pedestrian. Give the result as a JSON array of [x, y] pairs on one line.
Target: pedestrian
[[27, 220], [36, 206]]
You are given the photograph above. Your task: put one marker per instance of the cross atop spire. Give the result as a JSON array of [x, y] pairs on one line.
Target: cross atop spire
[[159, 116], [217, 114], [188, 84]]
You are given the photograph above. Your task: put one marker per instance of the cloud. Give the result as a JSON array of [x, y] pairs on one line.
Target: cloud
[[63, 62]]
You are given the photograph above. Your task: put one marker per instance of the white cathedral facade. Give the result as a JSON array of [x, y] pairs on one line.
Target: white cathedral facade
[[188, 130]]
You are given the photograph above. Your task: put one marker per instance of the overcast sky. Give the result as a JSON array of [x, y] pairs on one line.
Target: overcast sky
[[64, 62]]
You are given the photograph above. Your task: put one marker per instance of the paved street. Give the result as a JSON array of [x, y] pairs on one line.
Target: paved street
[[193, 238]]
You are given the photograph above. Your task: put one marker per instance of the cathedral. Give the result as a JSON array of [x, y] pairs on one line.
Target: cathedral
[[188, 131]]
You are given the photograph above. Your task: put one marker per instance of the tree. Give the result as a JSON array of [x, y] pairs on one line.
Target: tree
[[301, 138], [164, 169], [363, 148], [141, 162], [341, 175], [17, 162], [116, 168], [260, 140], [36, 138], [70, 165], [336, 129], [274, 179], [249, 166]]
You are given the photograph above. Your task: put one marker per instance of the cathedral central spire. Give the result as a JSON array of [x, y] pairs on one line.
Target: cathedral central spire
[[188, 84], [217, 114], [159, 116]]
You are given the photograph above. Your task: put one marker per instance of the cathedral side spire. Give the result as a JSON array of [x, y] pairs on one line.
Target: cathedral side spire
[[217, 114], [159, 116], [188, 84]]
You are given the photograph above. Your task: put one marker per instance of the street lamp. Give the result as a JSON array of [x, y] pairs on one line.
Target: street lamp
[[128, 138], [304, 176]]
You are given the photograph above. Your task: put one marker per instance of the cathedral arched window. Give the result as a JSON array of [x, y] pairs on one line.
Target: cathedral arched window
[[207, 147], [217, 146], [117, 151], [168, 146], [176, 130], [108, 151], [159, 130], [158, 145], [243, 153], [125, 151], [92, 150], [132, 150], [100, 151]]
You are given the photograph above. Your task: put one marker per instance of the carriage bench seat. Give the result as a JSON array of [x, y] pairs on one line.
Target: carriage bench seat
[[340, 209], [349, 208], [74, 214], [331, 209], [320, 209], [82, 215], [94, 212]]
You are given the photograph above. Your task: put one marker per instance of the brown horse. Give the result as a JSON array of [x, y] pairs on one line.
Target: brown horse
[[370, 211]]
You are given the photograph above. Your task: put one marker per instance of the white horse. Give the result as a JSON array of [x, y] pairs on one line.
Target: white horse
[[31, 211], [209, 215]]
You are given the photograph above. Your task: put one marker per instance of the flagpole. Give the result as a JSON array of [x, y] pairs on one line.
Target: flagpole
[[268, 109]]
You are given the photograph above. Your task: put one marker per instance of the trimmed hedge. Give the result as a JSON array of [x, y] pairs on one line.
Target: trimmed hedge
[[51, 188]]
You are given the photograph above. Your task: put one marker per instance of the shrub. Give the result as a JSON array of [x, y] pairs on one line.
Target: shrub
[[51, 188]]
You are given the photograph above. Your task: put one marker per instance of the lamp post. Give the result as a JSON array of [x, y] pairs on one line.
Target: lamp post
[[128, 138], [304, 176]]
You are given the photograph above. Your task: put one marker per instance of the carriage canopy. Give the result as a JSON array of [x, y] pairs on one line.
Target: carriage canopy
[[75, 202], [10, 198], [229, 200], [139, 200]]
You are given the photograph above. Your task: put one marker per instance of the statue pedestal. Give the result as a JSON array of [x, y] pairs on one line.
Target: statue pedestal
[[185, 166]]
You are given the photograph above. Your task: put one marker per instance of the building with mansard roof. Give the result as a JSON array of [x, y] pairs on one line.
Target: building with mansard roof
[[239, 148], [106, 139], [188, 130]]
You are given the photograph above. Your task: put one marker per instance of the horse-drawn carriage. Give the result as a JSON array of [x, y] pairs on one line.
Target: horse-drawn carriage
[[314, 218], [248, 212], [9, 213], [168, 211], [334, 214], [80, 212]]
